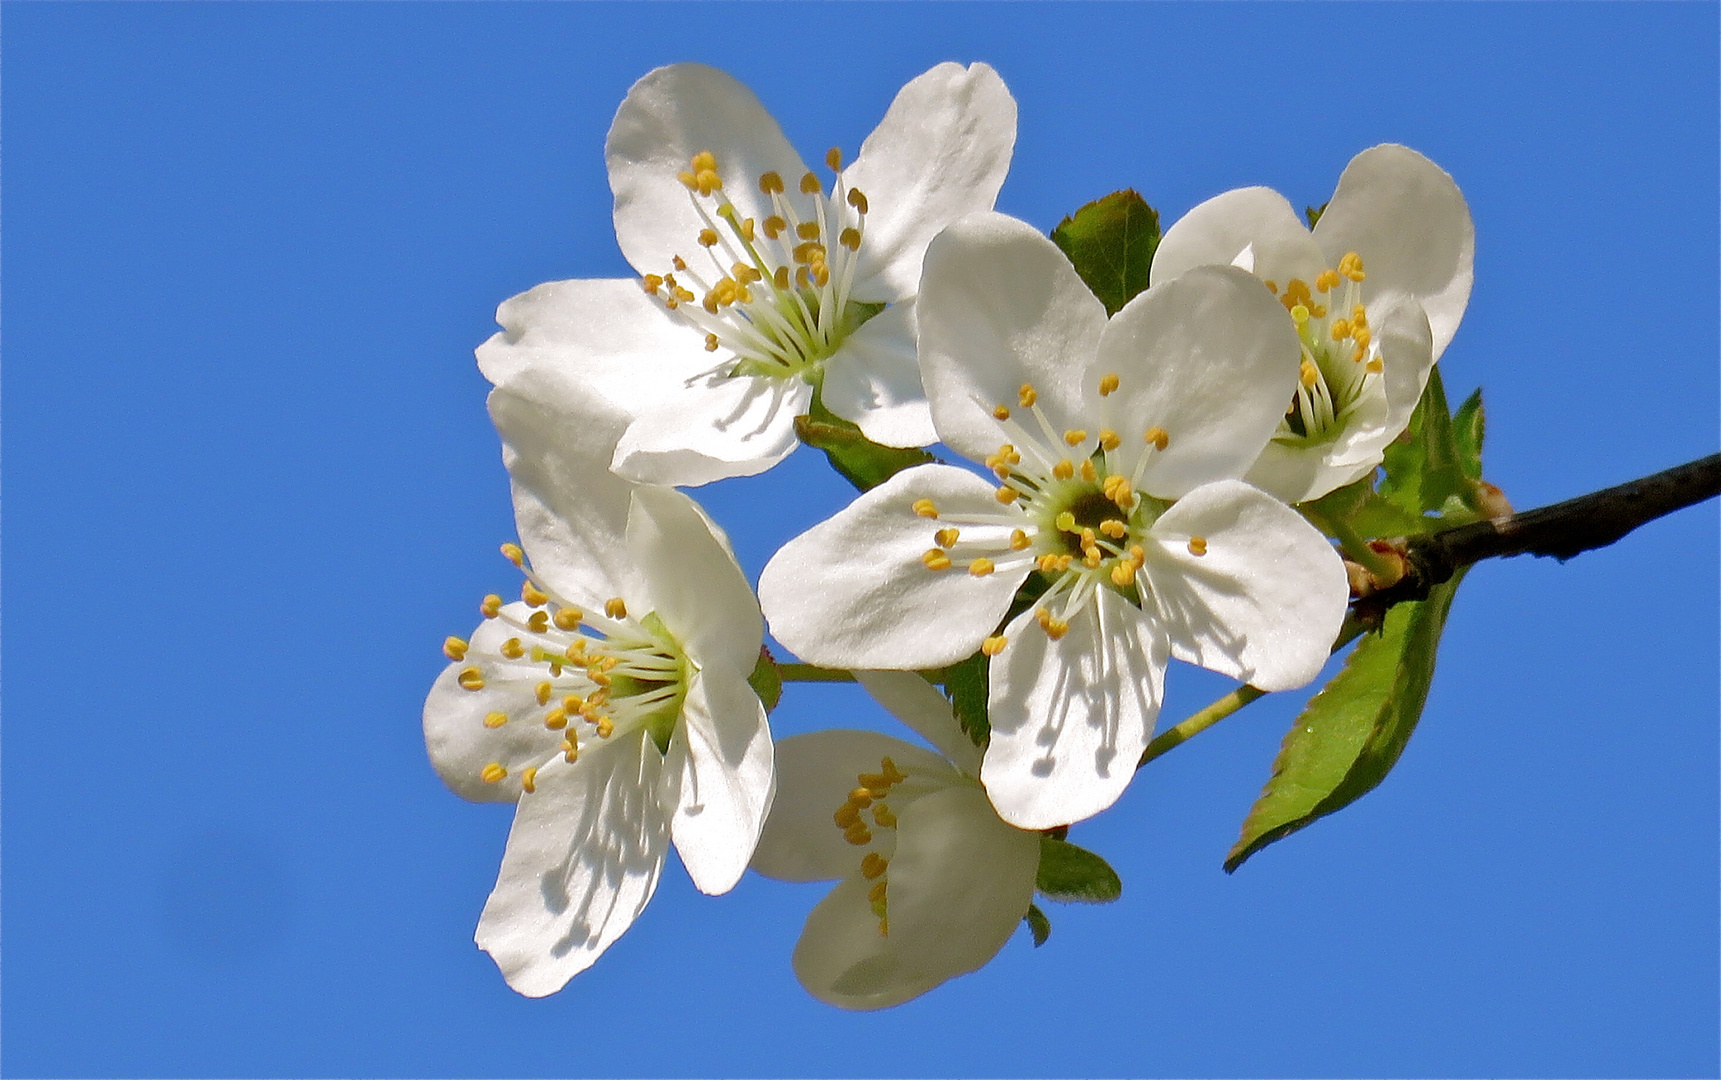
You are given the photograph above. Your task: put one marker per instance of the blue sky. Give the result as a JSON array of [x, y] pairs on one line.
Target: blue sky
[[247, 252]]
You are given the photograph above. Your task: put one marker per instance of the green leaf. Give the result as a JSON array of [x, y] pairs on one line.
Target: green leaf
[[862, 462], [1313, 213], [1422, 464], [1111, 241], [766, 680], [965, 682], [1468, 427], [1038, 924], [1379, 516], [1070, 873], [1351, 733]]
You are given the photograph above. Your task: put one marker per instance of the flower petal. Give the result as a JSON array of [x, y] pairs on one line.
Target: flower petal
[[853, 592], [667, 117], [1071, 717], [917, 703], [713, 427], [1408, 352], [815, 773], [570, 510], [459, 741], [1209, 358], [941, 152], [958, 883], [1263, 604], [1407, 219], [583, 859], [695, 585], [563, 339], [1001, 306], [1255, 225], [874, 381], [721, 756]]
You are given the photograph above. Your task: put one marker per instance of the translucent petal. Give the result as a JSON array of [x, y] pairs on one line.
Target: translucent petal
[[1255, 225], [695, 585], [712, 428], [721, 757], [920, 705], [874, 381]]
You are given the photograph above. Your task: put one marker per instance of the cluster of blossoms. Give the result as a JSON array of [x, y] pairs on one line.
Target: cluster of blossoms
[[1132, 500]]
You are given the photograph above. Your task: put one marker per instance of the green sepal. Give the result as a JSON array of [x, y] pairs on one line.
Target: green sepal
[[1074, 874], [1038, 924], [1422, 464], [859, 460], [766, 680], [1469, 424], [965, 682], [1313, 213], [1351, 733], [1111, 242]]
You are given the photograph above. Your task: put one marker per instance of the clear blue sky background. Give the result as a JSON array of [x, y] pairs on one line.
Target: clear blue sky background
[[249, 485]]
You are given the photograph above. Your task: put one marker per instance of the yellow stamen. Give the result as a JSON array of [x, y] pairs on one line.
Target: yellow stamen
[[1007, 494], [857, 200], [1019, 541], [556, 719], [946, 538], [873, 865], [491, 606], [885, 816], [1075, 437], [495, 719], [1326, 281], [615, 607], [493, 773], [1122, 573], [711, 342], [925, 508], [532, 595], [1308, 374], [513, 554], [455, 648], [1088, 472], [1197, 545], [471, 679], [1109, 440], [512, 649], [1113, 528], [1108, 384], [529, 779], [567, 618], [810, 185], [1064, 469], [994, 645], [981, 567], [935, 559], [1026, 396], [707, 237], [538, 622], [1002, 412], [858, 834], [1158, 437], [543, 692]]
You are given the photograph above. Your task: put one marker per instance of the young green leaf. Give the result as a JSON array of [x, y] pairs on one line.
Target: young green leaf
[[1070, 873], [859, 460], [1468, 427], [1422, 464], [1351, 733], [1111, 241], [965, 682], [1038, 924]]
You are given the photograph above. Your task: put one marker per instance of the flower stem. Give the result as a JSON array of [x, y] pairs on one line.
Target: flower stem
[[1201, 721], [813, 673], [1354, 545]]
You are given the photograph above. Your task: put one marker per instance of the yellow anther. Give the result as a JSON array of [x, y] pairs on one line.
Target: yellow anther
[[1064, 469], [1002, 412], [1089, 473], [935, 559], [471, 679], [994, 645], [981, 567], [1361, 335], [1026, 396], [858, 834], [491, 606], [1137, 553], [857, 200], [556, 719], [1296, 292], [710, 342], [1055, 628], [945, 538], [598, 677], [605, 727], [873, 866], [810, 252], [891, 772], [567, 618], [707, 237], [1308, 374], [774, 227], [1122, 573], [1109, 440], [652, 283], [781, 278], [834, 158], [533, 596], [1087, 537], [513, 554], [925, 508], [708, 181], [1019, 540], [455, 648], [1158, 437], [1113, 528], [744, 274], [1326, 281], [810, 185], [771, 184], [704, 161], [512, 649], [1341, 329], [1006, 494], [538, 622], [847, 814], [495, 719], [1359, 316], [1075, 437], [876, 893], [1108, 384], [615, 607], [747, 227], [1272, 287], [1299, 314], [572, 703], [1319, 311], [1375, 366], [570, 751], [807, 230], [543, 692], [1351, 266], [821, 274], [493, 772], [1047, 563], [680, 264], [1092, 557], [861, 797], [850, 238], [687, 178], [529, 779], [885, 816], [1197, 545]]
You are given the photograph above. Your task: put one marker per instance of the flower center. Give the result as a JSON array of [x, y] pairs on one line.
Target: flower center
[[596, 675], [776, 293], [868, 794], [1341, 361]]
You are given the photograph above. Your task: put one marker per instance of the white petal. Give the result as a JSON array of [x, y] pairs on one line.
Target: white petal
[[917, 703], [874, 381], [1210, 358], [958, 883], [564, 339], [1001, 306], [1220, 229], [571, 511], [668, 116], [712, 428], [583, 859], [695, 585], [1263, 604], [722, 754], [459, 742], [1407, 351], [853, 592], [1071, 717], [941, 152], [1407, 219], [815, 773]]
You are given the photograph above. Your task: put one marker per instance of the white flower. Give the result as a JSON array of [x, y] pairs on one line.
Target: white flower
[[1117, 444], [759, 284], [611, 702], [933, 883], [1376, 292]]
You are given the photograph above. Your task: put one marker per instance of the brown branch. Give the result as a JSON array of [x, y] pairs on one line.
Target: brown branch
[[1561, 531]]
